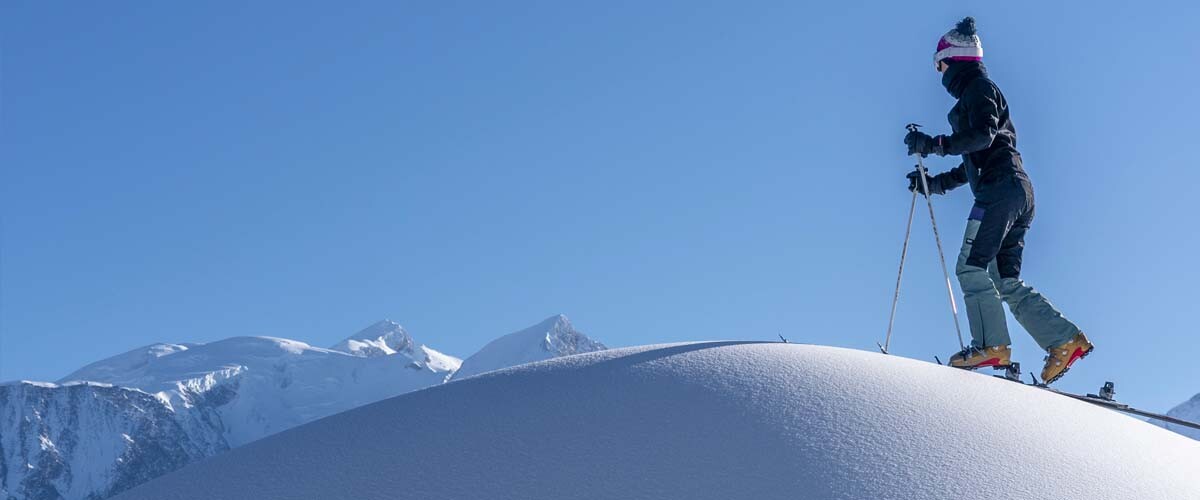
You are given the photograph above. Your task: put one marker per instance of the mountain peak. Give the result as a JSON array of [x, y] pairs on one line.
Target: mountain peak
[[562, 339], [551, 338], [556, 319], [382, 338], [381, 327]]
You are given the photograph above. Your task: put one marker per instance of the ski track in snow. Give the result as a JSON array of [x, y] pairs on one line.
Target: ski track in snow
[[714, 420]]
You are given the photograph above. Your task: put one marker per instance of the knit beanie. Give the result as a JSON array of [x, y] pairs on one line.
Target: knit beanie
[[960, 43]]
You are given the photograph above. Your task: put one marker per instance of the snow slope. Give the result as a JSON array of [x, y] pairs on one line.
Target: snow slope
[[269, 384], [552, 338], [1188, 410], [713, 420]]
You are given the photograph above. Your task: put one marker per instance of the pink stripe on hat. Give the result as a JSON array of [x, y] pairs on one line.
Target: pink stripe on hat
[[959, 54]]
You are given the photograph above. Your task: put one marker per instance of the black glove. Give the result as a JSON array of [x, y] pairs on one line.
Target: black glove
[[914, 183], [922, 144]]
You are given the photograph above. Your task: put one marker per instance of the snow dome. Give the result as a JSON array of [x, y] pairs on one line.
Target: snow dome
[[715, 420]]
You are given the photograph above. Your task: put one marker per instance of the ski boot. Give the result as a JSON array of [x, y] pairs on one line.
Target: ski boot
[[998, 357], [1059, 359]]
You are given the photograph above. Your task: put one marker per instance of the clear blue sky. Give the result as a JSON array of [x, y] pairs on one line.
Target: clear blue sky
[[658, 171]]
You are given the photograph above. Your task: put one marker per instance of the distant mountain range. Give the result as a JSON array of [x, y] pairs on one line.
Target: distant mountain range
[[121, 421]]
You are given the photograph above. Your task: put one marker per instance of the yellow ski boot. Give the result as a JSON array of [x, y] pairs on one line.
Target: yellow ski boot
[[997, 357], [1060, 359]]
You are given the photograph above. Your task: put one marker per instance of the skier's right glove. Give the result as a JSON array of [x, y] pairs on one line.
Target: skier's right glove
[[914, 183], [921, 143]]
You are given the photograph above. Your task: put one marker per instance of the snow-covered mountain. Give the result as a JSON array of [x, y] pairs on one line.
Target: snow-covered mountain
[[272, 384], [1188, 410], [551, 338], [711, 420], [91, 441], [158, 407]]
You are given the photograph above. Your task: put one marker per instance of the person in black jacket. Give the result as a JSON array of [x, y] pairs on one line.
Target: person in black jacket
[[989, 264]]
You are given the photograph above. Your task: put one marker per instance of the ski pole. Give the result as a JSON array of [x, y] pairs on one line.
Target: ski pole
[[887, 341], [912, 127]]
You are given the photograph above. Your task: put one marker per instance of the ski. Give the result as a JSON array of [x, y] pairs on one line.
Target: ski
[[1106, 398], [1121, 407]]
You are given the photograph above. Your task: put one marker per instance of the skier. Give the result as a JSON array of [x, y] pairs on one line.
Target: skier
[[989, 264]]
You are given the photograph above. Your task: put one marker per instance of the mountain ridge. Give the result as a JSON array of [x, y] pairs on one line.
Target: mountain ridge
[[218, 395]]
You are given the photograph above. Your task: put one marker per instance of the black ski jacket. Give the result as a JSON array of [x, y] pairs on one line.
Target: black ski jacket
[[983, 133]]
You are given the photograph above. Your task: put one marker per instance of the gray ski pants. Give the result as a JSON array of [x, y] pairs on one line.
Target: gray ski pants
[[989, 267]]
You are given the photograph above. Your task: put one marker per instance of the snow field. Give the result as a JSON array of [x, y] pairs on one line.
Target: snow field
[[710, 420]]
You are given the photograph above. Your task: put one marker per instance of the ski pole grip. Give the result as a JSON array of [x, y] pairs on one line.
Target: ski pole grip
[[912, 127]]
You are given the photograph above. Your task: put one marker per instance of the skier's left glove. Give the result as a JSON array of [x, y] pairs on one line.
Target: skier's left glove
[[921, 143], [914, 183]]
